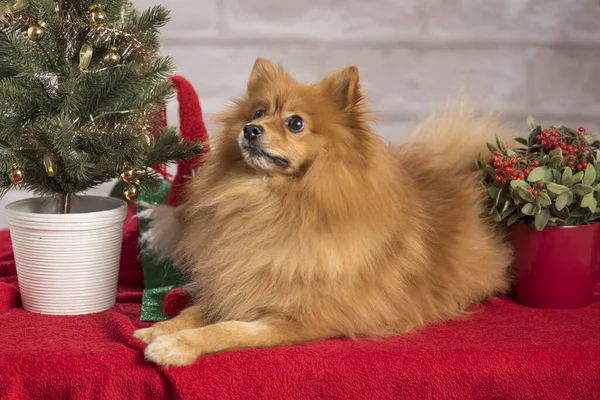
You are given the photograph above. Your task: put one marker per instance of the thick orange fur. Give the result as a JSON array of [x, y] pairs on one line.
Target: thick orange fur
[[353, 238]]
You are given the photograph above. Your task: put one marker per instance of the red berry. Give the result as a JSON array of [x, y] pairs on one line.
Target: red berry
[[499, 178], [579, 166], [545, 132], [535, 192], [571, 158], [581, 129], [554, 133], [496, 158], [505, 181], [530, 190], [553, 139], [521, 175], [497, 153], [536, 163], [584, 164], [579, 133], [570, 149], [585, 143], [574, 149], [584, 149], [540, 185]]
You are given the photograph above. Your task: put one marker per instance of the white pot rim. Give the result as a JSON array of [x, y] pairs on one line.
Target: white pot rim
[[101, 206]]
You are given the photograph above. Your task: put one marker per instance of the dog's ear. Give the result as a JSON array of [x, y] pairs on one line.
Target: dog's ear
[[263, 70], [344, 86]]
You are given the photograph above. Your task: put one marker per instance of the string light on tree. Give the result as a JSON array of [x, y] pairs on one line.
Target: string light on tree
[[85, 56], [49, 164]]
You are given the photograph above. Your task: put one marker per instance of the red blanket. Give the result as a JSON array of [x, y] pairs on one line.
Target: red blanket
[[502, 351]]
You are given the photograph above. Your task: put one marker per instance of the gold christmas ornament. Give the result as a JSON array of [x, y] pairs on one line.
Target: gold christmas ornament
[[112, 56], [129, 173], [85, 56], [49, 164], [37, 31], [131, 191], [97, 16], [16, 174], [148, 141]]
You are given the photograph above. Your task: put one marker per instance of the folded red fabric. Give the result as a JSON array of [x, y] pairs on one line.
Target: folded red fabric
[[502, 350]]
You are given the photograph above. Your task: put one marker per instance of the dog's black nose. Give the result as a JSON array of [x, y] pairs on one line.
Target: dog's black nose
[[252, 131]]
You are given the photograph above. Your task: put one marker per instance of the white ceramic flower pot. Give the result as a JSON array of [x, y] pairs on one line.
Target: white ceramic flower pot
[[67, 264]]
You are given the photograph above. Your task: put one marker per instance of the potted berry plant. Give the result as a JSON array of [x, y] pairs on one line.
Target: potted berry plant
[[547, 191]]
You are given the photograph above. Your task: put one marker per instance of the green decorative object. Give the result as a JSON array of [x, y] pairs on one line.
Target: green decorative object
[[159, 276]]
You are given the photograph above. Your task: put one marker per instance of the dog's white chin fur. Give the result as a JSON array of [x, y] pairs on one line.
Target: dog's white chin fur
[[160, 239]]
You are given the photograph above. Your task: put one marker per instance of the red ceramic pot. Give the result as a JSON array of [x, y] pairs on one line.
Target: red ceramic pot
[[557, 267]]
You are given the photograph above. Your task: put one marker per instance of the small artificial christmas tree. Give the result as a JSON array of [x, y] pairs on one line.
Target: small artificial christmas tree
[[81, 89]]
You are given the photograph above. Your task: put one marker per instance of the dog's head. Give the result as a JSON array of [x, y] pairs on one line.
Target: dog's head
[[283, 126]]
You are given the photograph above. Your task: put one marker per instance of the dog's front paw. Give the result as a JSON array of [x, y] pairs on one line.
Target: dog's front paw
[[171, 350], [147, 335]]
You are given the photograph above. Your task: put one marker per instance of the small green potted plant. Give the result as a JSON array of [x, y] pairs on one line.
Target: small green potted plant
[[547, 191]]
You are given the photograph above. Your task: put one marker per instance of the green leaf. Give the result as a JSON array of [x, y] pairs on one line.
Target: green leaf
[[563, 199], [491, 171], [510, 153], [533, 134], [589, 201], [493, 191], [541, 219], [577, 177], [513, 218], [597, 188], [549, 175], [526, 195], [528, 209], [508, 209], [555, 161], [531, 123], [496, 215], [537, 174], [590, 175], [543, 199], [519, 184], [521, 141], [491, 147], [497, 198], [557, 189], [581, 190], [556, 152], [567, 175], [499, 144]]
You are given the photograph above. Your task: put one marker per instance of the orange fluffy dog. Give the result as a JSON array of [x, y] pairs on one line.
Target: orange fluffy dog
[[303, 225]]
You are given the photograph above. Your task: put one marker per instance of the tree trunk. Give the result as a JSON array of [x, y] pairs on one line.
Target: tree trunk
[[64, 203]]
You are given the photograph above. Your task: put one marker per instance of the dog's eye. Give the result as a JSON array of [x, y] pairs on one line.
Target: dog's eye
[[259, 114], [295, 124]]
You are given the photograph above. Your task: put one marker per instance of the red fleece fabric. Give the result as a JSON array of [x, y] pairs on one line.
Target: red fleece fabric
[[503, 351]]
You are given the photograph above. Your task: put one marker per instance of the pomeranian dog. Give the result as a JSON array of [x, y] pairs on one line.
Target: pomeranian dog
[[304, 225]]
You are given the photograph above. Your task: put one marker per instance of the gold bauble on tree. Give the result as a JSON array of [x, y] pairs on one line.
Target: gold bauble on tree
[[16, 174], [37, 31], [129, 173], [112, 56], [97, 16], [132, 190]]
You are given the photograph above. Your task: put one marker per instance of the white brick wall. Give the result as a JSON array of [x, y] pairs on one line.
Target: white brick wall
[[539, 57]]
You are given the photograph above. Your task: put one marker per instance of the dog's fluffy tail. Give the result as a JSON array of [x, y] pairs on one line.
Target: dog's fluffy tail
[[454, 137]]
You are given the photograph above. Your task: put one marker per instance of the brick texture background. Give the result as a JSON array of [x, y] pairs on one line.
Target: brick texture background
[[520, 57]]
